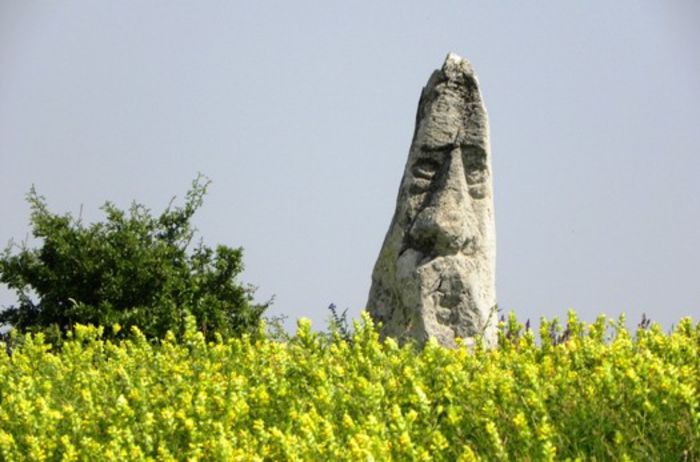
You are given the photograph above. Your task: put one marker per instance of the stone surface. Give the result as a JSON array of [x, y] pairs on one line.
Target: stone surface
[[436, 269]]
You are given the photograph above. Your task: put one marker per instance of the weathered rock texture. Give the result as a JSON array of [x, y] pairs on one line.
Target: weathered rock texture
[[435, 271]]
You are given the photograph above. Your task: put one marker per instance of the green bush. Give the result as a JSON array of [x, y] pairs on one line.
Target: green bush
[[133, 269]]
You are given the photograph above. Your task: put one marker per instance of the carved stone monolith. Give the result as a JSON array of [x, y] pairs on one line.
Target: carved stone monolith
[[435, 275]]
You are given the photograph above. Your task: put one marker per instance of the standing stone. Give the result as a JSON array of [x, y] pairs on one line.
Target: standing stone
[[435, 273]]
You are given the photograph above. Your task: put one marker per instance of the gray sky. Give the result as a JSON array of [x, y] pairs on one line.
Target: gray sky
[[302, 115]]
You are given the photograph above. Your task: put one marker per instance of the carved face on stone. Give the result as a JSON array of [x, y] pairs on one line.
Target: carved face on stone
[[435, 273], [444, 185]]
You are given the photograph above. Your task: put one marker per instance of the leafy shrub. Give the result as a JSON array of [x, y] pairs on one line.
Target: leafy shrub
[[133, 269], [600, 394]]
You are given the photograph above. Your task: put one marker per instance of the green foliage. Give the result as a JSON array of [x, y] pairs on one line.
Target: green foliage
[[338, 324], [133, 269], [599, 394]]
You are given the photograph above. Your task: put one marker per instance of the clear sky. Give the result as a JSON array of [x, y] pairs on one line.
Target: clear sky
[[302, 114]]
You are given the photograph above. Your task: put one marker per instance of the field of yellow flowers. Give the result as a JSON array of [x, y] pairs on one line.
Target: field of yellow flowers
[[589, 392]]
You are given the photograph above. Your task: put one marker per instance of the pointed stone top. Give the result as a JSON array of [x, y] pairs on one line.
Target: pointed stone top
[[456, 62], [458, 68], [451, 109]]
